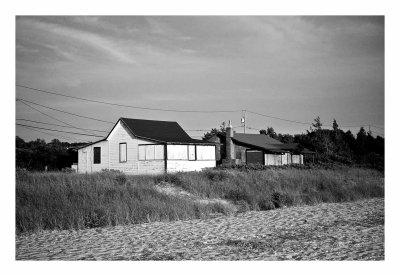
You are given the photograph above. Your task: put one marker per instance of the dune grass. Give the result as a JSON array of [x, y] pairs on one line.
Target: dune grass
[[47, 201]]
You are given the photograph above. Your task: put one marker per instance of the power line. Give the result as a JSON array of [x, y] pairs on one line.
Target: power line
[[59, 130], [66, 112], [277, 118], [123, 105], [50, 116], [60, 125], [57, 135], [155, 109]]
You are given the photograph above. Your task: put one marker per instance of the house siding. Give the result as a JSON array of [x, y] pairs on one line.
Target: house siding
[[85, 158], [186, 165], [121, 134]]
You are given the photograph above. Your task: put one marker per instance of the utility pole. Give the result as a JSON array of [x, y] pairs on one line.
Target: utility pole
[[244, 121]]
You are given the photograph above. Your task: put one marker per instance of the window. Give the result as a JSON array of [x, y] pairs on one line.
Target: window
[[122, 152], [96, 155], [159, 152], [177, 152], [142, 152], [192, 152], [205, 153], [151, 152]]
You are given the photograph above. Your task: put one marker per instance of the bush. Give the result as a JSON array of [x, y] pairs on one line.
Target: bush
[[68, 170]]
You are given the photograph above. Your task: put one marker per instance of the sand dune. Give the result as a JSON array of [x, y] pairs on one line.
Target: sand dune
[[334, 231]]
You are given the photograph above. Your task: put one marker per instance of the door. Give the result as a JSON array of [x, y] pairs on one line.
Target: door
[[254, 157]]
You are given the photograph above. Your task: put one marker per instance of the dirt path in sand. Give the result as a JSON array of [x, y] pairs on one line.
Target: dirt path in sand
[[341, 231]]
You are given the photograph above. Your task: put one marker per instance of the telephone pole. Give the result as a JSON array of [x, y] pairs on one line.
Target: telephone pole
[[244, 121]]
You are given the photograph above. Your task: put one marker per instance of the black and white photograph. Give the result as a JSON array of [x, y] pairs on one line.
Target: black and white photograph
[[199, 137]]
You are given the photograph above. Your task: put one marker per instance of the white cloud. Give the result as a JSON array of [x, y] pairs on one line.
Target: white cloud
[[69, 35]]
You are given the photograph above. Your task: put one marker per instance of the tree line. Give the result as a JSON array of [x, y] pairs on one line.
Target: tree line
[[38, 155], [331, 145]]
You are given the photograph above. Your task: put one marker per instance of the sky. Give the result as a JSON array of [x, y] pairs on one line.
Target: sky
[[293, 68]]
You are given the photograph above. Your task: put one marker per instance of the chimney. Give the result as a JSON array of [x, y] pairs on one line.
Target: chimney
[[230, 147]]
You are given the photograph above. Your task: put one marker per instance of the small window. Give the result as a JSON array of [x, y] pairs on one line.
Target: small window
[[142, 152], [96, 155], [238, 155], [122, 152], [192, 152]]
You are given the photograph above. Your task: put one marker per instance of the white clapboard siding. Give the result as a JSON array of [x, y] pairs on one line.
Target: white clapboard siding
[[85, 158], [186, 165]]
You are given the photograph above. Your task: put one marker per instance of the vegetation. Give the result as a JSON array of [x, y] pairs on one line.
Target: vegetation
[[75, 201], [332, 145], [36, 155]]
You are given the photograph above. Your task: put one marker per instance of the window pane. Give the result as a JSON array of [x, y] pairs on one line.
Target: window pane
[[142, 152], [178, 152], [205, 153], [192, 152], [96, 155], [149, 152], [122, 152], [159, 152]]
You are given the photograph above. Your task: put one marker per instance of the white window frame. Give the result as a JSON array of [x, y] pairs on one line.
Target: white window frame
[[126, 152], [155, 156]]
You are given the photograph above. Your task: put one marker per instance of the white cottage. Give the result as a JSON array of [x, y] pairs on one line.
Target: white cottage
[[138, 146]]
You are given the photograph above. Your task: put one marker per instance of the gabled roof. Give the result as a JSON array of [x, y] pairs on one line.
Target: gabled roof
[[161, 131], [89, 144], [157, 131]]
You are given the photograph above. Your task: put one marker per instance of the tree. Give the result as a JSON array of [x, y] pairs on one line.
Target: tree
[[335, 125], [271, 133], [214, 131], [317, 125]]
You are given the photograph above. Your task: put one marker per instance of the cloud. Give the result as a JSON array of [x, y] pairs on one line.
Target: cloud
[[69, 36]]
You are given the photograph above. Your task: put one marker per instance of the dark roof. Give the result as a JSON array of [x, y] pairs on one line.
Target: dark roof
[[266, 143], [255, 138], [158, 131], [89, 144], [161, 131]]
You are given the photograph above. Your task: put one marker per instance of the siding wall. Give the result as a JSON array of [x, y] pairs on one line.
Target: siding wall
[[151, 167], [186, 166], [121, 134], [240, 151], [85, 158]]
